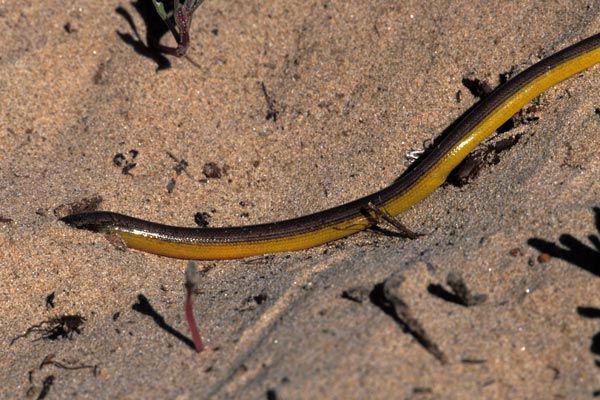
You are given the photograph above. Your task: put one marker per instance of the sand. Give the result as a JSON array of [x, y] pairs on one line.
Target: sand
[[354, 87]]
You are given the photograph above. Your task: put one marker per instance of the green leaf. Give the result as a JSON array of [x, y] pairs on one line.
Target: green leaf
[[160, 9]]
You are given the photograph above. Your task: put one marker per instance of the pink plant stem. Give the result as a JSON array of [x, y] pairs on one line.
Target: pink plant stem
[[189, 316]]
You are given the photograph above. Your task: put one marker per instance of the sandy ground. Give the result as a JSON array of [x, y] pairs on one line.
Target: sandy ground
[[355, 86]]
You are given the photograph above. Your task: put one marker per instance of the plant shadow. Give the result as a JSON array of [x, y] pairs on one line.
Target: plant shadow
[[573, 250], [155, 29], [144, 307], [586, 257]]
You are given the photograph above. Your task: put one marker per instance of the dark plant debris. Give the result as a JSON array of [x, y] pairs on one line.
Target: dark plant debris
[[179, 168], [488, 154], [55, 328], [252, 302], [473, 361], [79, 206], [50, 300], [212, 171], [68, 27], [202, 219], [50, 359], [272, 112], [126, 162], [46, 385], [481, 89], [478, 88], [515, 252], [470, 167], [260, 298]]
